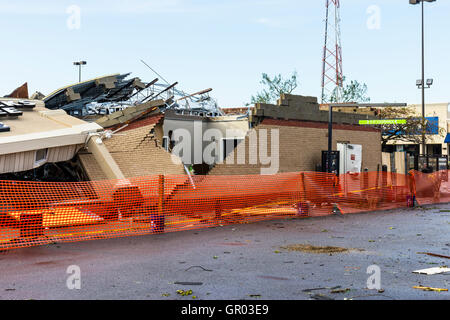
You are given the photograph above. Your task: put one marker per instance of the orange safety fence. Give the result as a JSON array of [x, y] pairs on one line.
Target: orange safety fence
[[38, 213]]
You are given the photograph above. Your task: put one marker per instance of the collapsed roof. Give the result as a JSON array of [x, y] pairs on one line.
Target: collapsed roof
[[75, 97], [108, 94]]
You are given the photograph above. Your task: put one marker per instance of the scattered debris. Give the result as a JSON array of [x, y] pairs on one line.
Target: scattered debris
[[184, 292], [165, 295], [313, 289], [340, 291], [198, 267], [352, 268], [429, 289], [434, 255], [315, 249], [189, 283], [254, 295], [318, 289], [432, 271], [320, 297]]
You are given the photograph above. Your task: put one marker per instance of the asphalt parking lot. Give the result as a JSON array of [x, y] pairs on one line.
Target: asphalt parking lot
[[245, 261]]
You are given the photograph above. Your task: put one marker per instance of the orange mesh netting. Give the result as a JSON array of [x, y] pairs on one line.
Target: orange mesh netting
[[36, 213]]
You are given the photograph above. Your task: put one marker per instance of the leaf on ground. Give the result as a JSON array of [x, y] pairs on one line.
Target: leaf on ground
[[184, 292]]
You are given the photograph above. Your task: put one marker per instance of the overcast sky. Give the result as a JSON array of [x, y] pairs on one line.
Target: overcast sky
[[223, 44]]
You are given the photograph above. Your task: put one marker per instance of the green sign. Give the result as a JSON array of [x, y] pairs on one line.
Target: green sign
[[371, 122]]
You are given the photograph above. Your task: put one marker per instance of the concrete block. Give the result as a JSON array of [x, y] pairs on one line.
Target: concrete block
[[116, 115], [71, 95], [109, 123], [107, 82], [129, 110], [126, 118]]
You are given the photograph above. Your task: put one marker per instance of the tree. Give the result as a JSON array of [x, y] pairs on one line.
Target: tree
[[275, 87], [411, 131], [352, 92]]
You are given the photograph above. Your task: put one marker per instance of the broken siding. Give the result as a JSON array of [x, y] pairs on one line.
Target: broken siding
[[24, 161]]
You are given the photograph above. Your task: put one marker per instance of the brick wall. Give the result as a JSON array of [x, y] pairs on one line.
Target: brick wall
[[301, 146], [137, 154]]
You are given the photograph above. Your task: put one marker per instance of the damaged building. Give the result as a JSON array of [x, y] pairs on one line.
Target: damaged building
[[301, 130], [32, 136], [136, 148], [138, 137]]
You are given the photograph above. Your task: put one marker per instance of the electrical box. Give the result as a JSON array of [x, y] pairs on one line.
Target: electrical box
[[350, 158]]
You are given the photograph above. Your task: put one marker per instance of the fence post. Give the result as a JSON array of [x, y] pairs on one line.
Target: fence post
[[161, 195], [384, 182], [302, 206], [366, 183]]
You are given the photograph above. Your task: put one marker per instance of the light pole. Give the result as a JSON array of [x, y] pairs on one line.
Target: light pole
[[79, 64], [414, 2]]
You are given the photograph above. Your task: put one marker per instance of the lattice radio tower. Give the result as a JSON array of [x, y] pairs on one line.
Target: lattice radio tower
[[332, 75]]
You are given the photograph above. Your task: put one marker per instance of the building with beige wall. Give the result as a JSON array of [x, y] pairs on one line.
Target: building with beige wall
[[300, 128], [300, 146], [38, 136], [436, 144]]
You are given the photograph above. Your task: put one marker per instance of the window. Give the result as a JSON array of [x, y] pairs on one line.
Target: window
[[228, 146], [41, 156], [165, 143]]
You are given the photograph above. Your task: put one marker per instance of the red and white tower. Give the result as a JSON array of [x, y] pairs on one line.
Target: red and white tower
[[332, 75]]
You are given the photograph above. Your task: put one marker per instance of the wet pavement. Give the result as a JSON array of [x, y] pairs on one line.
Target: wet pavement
[[246, 261]]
